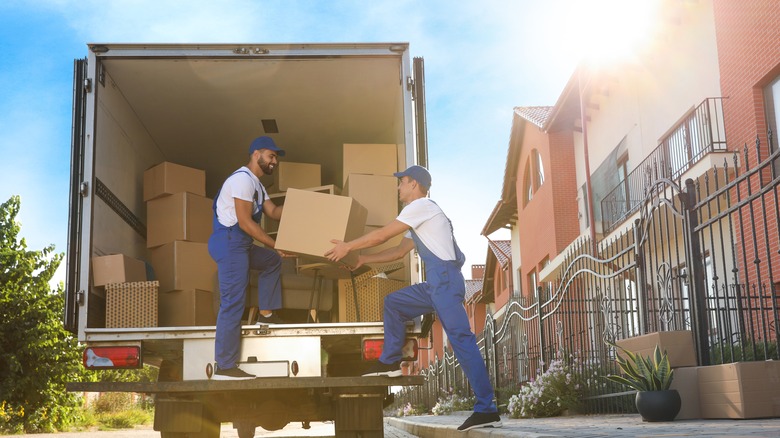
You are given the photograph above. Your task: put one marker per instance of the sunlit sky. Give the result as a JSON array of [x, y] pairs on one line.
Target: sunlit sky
[[482, 59]]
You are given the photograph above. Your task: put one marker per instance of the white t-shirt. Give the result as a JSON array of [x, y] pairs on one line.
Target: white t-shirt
[[431, 226], [244, 185]]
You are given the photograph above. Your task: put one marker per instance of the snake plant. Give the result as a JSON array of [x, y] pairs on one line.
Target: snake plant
[[643, 373]]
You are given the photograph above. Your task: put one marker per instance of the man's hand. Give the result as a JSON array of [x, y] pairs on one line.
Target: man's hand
[[338, 252]]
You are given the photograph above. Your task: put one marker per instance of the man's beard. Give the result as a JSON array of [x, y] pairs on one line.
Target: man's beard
[[265, 166]]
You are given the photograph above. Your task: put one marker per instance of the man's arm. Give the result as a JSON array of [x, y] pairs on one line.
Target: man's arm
[[247, 225], [272, 210], [374, 238], [387, 255]]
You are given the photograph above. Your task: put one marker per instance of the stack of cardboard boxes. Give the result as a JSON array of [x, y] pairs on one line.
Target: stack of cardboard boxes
[[131, 301], [732, 390], [368, 178], [179, 223]]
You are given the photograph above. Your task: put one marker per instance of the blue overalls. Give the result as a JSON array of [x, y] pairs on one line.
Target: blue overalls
[[443, 292], [235, 254]]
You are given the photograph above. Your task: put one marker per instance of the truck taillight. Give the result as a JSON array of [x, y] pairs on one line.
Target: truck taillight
[[372, 349], [96, 358]]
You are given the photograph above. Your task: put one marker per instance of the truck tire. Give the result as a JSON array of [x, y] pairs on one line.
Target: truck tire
[[245, 429]]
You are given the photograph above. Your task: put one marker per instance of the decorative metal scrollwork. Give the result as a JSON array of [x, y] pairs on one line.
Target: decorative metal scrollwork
[[666, 309]]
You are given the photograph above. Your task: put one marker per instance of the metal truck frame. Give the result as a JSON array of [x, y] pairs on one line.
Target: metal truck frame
[[135, 105]]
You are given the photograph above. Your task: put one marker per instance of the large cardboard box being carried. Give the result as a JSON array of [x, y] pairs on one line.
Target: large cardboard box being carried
[[183, 265], [677, 344], [181, 308], [378, 193], [740, 390], [168, 178], [117, 268], [686, 382], [311, 219], [369, 159], [289, 175], [131, 304], [181, 216]]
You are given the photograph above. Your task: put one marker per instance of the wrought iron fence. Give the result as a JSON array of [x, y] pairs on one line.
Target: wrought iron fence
[[703, 257]]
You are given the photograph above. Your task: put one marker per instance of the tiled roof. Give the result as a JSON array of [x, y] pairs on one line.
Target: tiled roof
[[535, 114], [473, 287], [502, 249]]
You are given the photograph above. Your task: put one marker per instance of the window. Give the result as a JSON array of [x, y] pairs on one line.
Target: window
[[539, 169], [533, 176], [533, 283], [528, 187], [772, 113]]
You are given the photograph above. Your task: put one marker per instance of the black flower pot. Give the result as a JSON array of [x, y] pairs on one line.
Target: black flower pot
[[658, 405]]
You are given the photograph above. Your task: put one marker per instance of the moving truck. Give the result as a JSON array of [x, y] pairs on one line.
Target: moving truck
[[156, 130]]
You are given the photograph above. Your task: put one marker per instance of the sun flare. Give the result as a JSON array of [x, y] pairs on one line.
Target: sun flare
[[606, 31]]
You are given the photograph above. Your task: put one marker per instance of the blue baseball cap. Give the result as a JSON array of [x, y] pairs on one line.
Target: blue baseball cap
[[417, 173], [265, 143]]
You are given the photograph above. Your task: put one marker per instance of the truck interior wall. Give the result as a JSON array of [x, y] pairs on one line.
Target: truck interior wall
[[124, 150]]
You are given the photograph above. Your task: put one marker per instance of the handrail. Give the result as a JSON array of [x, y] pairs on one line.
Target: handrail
[[700, 132]]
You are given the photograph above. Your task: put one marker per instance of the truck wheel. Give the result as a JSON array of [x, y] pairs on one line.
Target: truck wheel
[[245, 429]]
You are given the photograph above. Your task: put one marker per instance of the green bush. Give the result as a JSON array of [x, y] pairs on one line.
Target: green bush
[[127, 419], [554, 391], [113, 402]]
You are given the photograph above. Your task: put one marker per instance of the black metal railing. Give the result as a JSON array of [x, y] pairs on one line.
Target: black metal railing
[[699, 133], [702, 257]]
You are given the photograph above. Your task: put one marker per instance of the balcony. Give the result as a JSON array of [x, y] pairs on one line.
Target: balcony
[[699, 133]]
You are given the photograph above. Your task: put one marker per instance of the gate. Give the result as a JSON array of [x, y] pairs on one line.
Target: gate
[[699, 256]]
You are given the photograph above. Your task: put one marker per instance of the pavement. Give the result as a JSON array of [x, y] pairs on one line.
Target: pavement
[[616, 425]]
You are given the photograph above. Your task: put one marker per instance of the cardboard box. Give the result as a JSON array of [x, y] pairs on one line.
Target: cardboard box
[[311, 219], [740, 390], [371, 293], [289, 175], [686, 382], [181, 308], [117, 268], [378, 193], [183, 265], [369, 159], [181, 216], [271, 226], [168, 178], [678, 345], [131, 304]]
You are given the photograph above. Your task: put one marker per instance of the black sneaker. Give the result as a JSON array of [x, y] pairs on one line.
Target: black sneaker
[[481, 419], [383, 369], [234, 373], [270, 319]]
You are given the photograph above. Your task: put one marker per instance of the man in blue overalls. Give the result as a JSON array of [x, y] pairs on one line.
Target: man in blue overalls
[[238, 207], [429, 230]]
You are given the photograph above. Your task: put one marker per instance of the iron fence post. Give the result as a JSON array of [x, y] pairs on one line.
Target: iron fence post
[[639, 270], [698, 293], [542, 346]]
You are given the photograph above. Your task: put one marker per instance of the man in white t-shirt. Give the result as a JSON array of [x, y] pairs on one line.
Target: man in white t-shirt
[[427, 229], [238, 207]]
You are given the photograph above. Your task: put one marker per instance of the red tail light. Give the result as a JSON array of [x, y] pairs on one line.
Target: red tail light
[[372, 349], [96, 358]]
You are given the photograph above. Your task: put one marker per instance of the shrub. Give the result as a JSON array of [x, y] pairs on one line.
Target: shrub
[[451, 402], [553, 392], [408, 409]]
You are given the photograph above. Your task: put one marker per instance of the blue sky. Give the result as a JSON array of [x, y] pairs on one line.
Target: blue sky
[[481, 59]]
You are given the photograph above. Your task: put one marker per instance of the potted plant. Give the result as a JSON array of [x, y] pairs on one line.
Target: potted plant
[[651, 378]]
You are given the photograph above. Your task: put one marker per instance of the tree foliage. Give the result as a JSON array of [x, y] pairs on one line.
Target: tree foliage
[[37, 355]]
